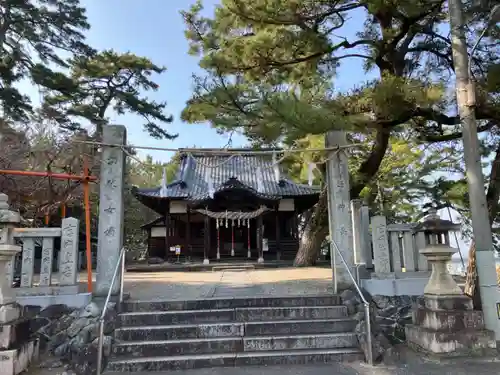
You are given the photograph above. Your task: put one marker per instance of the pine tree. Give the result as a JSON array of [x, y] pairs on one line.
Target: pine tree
[[34, 37], [105, 81], [269, 68]]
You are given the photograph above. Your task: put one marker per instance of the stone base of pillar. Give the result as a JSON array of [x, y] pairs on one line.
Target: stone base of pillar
[[9, 312], [447, 325], [249, 254], [15, 333], [343, 278], [260, 260], [218, 255], [206, 261], [15, 361]]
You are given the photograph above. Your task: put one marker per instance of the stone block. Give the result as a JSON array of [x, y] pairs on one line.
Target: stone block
[[10, 312], [299, 326], [27, 263], [300, 342], [176, 317], [14, 334], [30, 311], [462, 343], [83, 358], [445, 303], [231, 303], [235, 359], [291, 313], [174, 348], [189, 331], [47, 291], [68, 257], [15, 361], [447, 325], [448, 320]]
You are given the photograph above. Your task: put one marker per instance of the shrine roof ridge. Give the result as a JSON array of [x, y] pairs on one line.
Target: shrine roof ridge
[[200, 173], [247, 151]]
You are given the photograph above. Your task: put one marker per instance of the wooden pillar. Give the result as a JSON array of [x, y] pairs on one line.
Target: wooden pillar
[[278, 234], [259, 239], [295, 225], [206, 237], [167, 227], [149, 241], [189, 249]]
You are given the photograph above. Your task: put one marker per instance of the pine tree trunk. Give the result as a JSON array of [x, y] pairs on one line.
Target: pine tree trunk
[[315, 231], [472, 281], [492, 197]]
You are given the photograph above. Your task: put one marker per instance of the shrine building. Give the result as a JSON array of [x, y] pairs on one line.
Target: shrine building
[[226, 205]]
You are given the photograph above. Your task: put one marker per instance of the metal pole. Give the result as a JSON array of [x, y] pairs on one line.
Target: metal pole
[[100, 346], [329, 188], [481, 226], [368, 334], [122, 277]]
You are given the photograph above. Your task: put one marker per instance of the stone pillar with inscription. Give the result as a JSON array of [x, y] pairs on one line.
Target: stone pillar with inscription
[[110, 237], [380, 245], [339, 205], [68, 256]]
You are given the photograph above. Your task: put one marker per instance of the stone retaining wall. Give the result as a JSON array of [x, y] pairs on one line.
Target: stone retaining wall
[[389, 316], [69, 337]]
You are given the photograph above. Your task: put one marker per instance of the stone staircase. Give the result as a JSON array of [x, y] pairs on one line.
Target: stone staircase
[[177, 335]]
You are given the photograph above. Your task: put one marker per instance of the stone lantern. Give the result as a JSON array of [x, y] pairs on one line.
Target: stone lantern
[[8, 221], [443, 320], [17, 346], [438, 253]]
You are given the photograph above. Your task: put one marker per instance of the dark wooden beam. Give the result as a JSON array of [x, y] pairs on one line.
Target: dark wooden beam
[[149, 242], [189, 249], [206, 238], [167, 230], [278, 233], [259, 236]]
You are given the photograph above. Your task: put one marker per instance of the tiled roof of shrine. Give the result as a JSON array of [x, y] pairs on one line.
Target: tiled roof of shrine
[[201, 173]]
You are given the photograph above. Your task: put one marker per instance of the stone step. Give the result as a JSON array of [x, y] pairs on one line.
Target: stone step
[[181, 331], [243, 267], [230, 315], [231, 303], [212, 330], [300, 342], [286, 327], [178, 347], [290, 313], [262, 358], [163, 348], [136, 319]]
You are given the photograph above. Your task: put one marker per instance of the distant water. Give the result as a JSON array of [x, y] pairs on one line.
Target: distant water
[[455, 266]]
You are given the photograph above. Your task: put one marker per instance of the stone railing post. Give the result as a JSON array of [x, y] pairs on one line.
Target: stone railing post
[[8, 221], [68, 257], [380, 240]]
